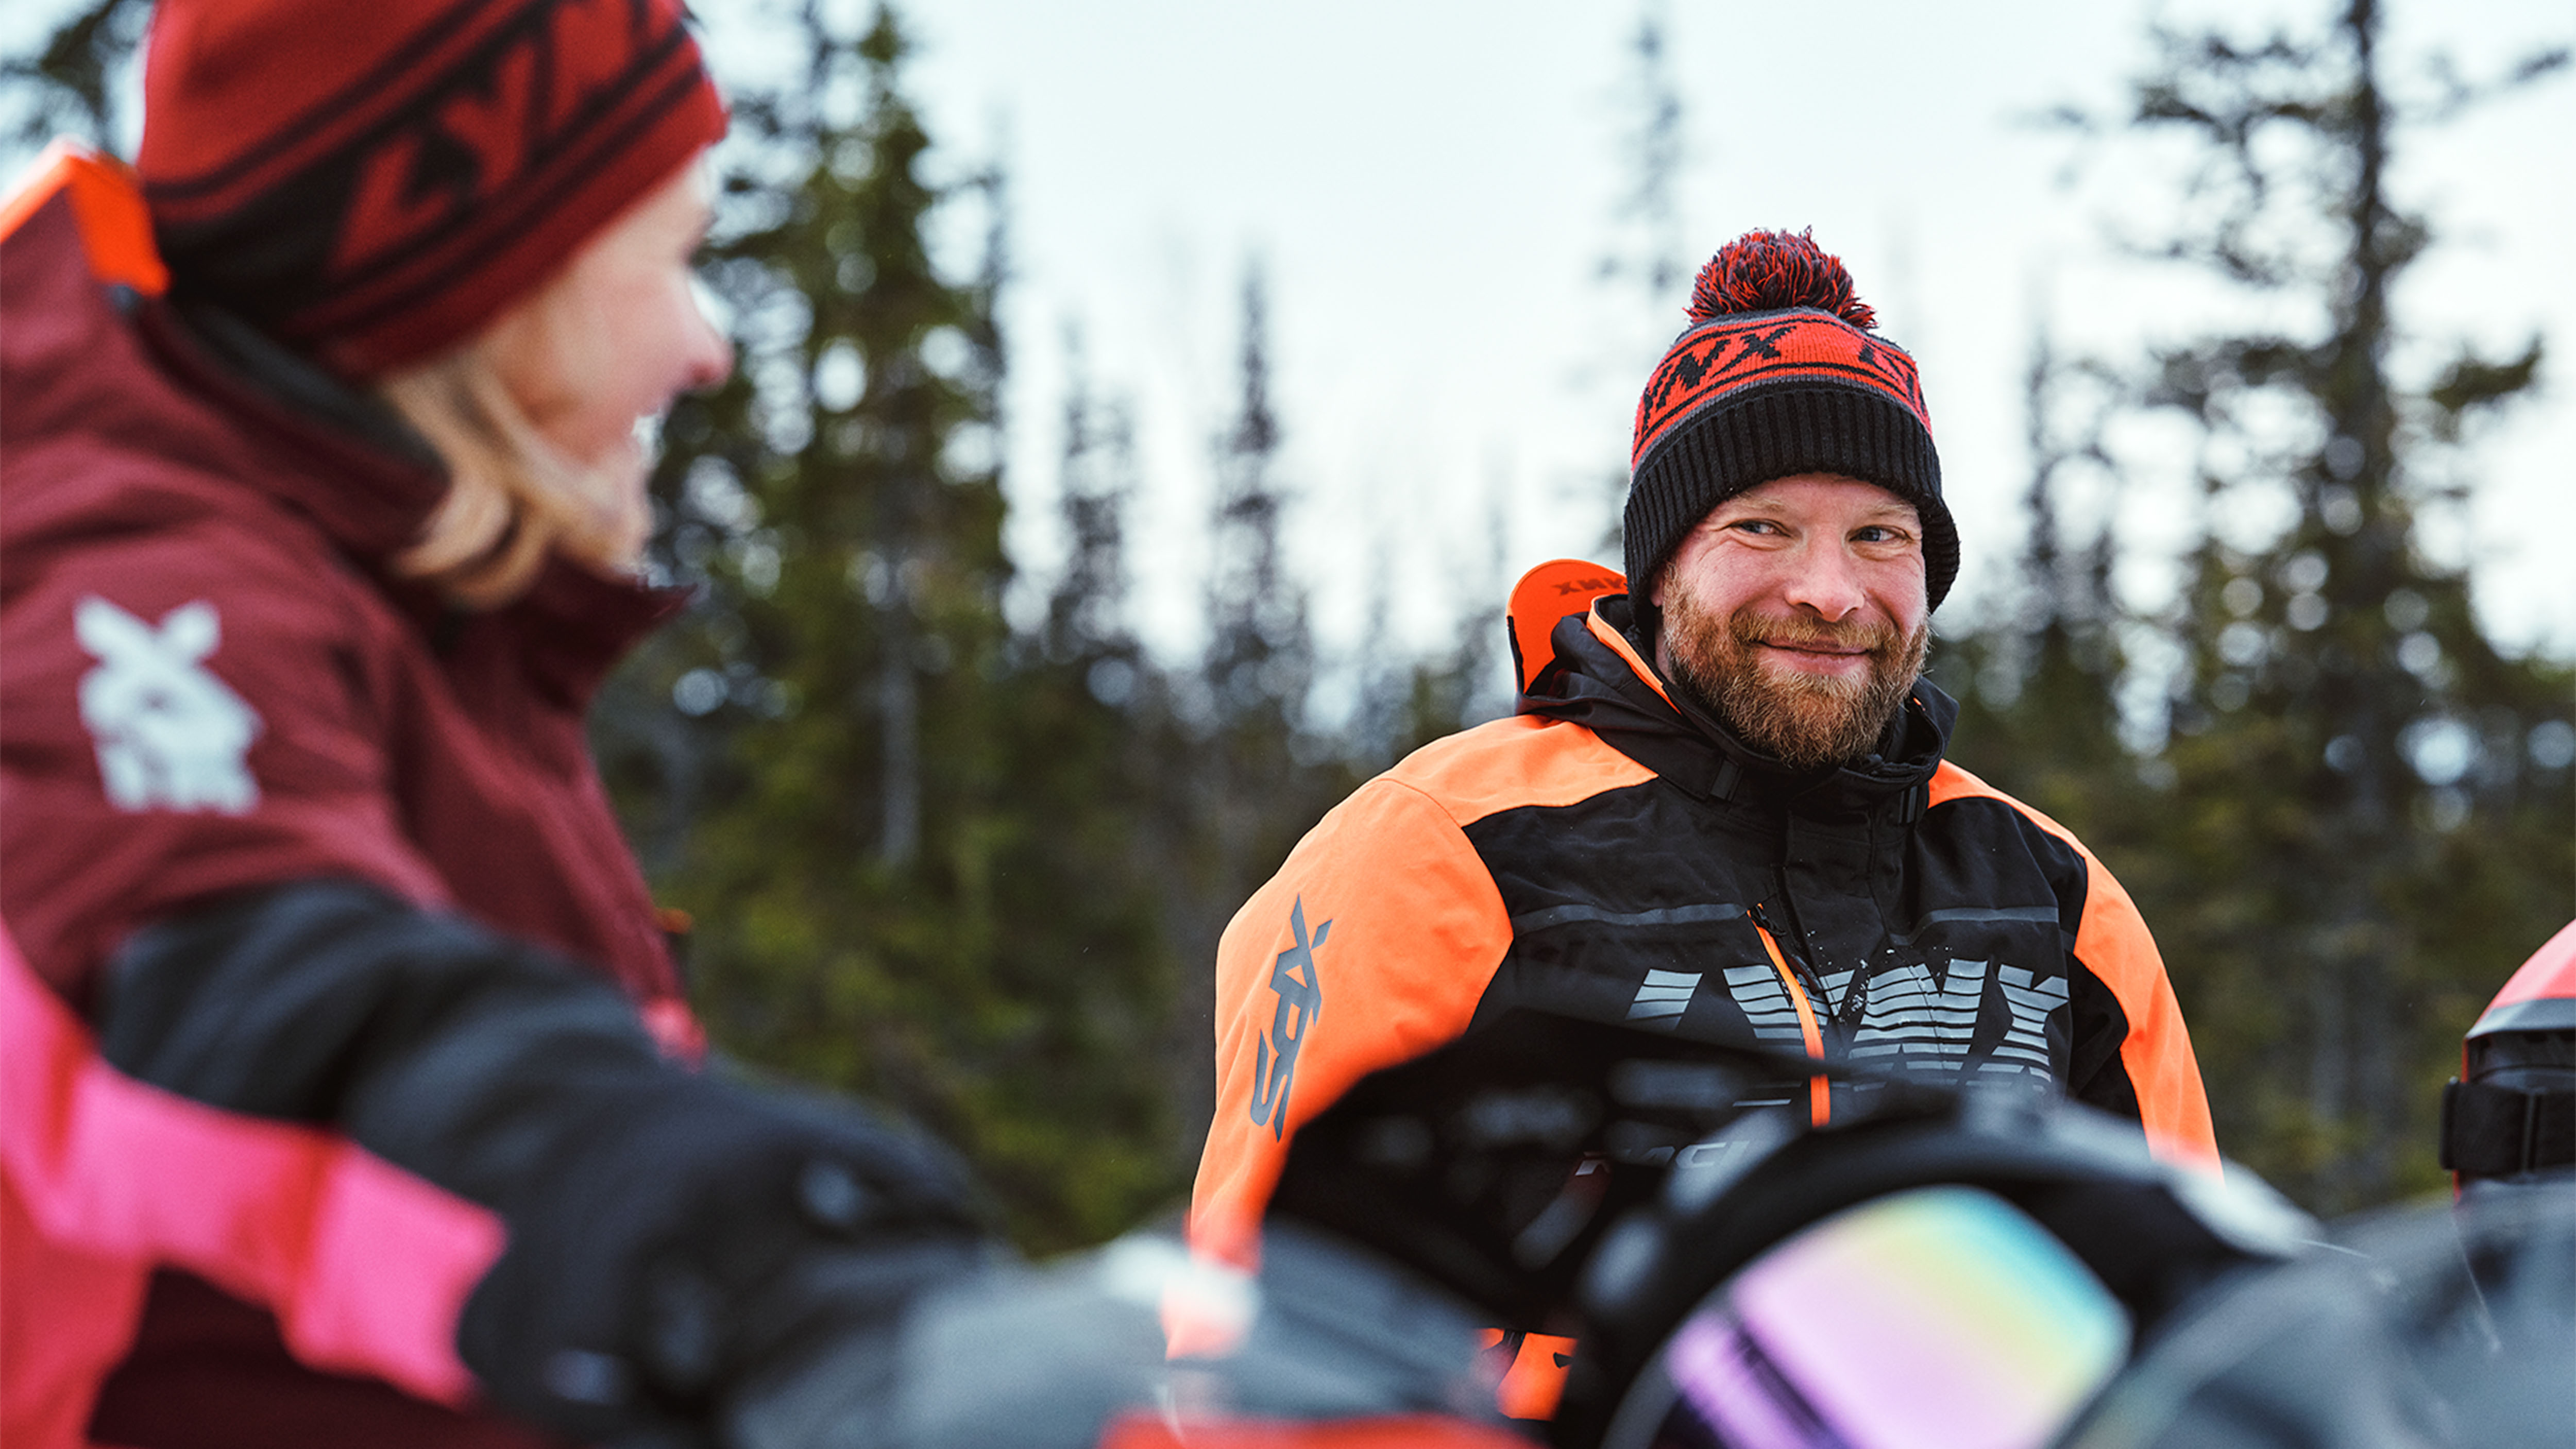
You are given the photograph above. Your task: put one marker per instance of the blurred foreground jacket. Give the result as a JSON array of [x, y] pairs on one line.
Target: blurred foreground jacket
[[356, 1109]]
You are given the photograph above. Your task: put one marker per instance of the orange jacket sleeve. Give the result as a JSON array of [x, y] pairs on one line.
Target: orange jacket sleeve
[[2113, 943], [1371, 946]]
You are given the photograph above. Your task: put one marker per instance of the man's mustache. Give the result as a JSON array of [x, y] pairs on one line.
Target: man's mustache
[[1861, 637]]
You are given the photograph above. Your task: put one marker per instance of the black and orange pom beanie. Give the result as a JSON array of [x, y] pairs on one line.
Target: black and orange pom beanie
[[1780, 372]]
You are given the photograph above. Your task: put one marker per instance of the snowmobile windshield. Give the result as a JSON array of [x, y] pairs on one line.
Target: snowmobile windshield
[[1937, 1316]]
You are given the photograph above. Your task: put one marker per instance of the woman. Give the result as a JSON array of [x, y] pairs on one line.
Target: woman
[[308, 569]]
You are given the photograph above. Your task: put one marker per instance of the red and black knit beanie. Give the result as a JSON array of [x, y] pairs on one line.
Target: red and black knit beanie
[[370, 183], [1781, 372]]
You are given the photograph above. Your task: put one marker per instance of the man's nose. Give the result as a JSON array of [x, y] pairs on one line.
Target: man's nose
[[1826, 582]]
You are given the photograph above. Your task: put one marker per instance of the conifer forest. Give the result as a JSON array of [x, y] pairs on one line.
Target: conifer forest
[[973, 862]]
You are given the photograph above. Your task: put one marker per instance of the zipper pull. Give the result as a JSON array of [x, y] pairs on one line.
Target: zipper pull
[[1795, 949], [1855, 1002]]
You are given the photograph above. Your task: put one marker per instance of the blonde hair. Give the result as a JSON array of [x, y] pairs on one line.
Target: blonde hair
[[512, 498]]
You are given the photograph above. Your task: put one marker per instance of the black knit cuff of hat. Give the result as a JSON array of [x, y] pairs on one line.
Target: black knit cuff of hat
[[1778, 431]]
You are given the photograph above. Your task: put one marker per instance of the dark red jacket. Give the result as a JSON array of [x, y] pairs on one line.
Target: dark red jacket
[[328, 1129], [210, 683], [212, 535]]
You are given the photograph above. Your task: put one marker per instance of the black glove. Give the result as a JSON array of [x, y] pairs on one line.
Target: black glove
[[670, 1234]]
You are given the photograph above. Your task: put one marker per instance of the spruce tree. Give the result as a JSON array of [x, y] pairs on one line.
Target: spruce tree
[[1248, 775], [2362, 820], [902, 867], [2038, 684]]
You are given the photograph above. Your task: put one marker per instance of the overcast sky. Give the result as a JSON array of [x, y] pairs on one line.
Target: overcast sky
[[1432, 188]]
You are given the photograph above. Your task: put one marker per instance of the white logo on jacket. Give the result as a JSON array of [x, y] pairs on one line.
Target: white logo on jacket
[[170, 734]]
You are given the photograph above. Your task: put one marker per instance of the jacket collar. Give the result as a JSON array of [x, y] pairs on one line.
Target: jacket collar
[[340, 458], [1600, 681], [573, 626]]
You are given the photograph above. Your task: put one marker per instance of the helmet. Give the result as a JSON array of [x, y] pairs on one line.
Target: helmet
[[2510, 1116]]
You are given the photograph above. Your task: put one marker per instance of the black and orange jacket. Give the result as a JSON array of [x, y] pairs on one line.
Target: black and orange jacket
[[1609, 855]]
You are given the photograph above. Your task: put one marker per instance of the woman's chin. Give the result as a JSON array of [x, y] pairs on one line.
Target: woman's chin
[[613, 484]]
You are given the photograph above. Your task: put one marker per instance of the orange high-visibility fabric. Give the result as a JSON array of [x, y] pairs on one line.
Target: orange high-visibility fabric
[[106, 201], [1389, 874], [2114, 944]]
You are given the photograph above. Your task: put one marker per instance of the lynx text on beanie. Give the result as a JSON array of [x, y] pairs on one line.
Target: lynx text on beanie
[[1781, 372], [371, 183]]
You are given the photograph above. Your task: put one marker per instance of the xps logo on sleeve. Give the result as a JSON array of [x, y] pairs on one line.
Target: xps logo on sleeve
[[1301, 996], [170, 735]]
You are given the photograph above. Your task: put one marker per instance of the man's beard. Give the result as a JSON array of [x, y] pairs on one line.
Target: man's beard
[[1807, 720]]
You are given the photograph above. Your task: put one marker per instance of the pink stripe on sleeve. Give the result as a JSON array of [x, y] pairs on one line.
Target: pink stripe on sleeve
[[365, 1266]]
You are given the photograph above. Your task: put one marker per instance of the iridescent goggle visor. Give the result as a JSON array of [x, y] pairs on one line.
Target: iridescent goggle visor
[[1942, 1316]]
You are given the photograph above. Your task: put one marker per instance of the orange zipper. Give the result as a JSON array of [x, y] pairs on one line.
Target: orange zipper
[[1820, 1097]]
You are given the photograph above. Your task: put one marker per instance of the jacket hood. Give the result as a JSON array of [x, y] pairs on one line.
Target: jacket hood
[[1600, 681], [115, 374]]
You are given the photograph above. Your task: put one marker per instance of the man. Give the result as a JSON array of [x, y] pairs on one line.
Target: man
[[1721, 810]]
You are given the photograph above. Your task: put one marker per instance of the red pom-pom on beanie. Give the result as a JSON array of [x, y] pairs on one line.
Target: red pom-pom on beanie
[[1773, 271]]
